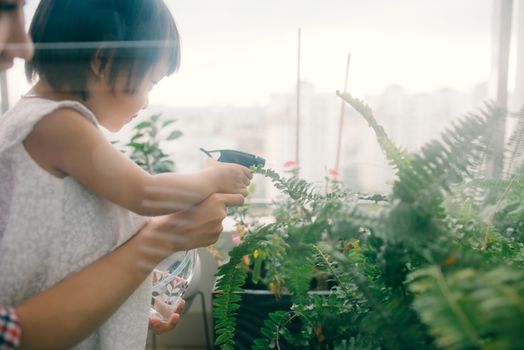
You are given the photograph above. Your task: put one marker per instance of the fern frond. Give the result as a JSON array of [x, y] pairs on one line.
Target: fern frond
[[416, 217], [298, 271], [297, 189], [227, 301], [390, 320], [274, 328], [470, 308], [449, 322], [230, 279], [442, 164], [398, 157], [515, 146]]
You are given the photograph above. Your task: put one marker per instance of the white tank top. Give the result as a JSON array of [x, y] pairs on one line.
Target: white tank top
[[51, 227]]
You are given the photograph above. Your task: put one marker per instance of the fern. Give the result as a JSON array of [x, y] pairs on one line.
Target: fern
[[417, 218], [443, 164], [398, 158], [515, 146], [230, 278], [297, 189], [423, 178], [450, 323], [508, 214], [388, 319], [470, 308], [435, 264], [298, 268], [273, 329]]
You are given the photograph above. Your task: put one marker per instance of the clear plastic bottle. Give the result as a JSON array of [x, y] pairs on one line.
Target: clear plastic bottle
[[170, 281]]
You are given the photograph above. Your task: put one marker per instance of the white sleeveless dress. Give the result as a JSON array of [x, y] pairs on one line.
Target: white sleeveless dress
[[52, 227]]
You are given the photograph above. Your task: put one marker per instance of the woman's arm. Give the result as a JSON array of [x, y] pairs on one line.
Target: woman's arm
[[63, 315], [65, 143]]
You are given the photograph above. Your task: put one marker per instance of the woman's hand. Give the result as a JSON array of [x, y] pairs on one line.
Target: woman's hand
[[199, 226], [157, 326]]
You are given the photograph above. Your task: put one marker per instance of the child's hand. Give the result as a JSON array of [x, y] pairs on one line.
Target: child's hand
[[158, 326], [230, 178]]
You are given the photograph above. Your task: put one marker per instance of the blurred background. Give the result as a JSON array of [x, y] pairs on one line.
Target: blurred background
[[418, 63]]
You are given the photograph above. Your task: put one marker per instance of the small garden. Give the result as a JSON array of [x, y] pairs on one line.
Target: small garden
[[435, 264]]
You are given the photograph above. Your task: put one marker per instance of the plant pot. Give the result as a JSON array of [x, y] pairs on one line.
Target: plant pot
[[255, 307]]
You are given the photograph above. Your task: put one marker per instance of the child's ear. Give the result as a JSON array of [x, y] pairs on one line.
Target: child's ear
[[100, 63]]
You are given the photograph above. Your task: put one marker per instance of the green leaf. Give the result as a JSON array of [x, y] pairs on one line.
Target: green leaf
[[174, 135], [143, 125], [222, 339], [137, 146], [168, 122]]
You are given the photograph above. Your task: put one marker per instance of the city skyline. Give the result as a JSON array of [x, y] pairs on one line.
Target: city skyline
[[269, 131]]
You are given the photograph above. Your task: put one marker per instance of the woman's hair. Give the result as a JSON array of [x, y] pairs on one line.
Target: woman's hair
[[132, 35]]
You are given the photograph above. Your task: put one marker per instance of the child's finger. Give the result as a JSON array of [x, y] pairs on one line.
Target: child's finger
[[173, 320], [162, 327], [248, 173], [180, 307], [154, 323]]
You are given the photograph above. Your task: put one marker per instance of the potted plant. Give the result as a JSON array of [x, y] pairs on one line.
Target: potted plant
[[436, 264], [144, 147]]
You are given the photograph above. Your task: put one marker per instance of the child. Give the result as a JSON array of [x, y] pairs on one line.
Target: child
[[67, 197]]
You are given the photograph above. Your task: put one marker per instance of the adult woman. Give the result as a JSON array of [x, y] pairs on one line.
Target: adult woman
[[64, 314]]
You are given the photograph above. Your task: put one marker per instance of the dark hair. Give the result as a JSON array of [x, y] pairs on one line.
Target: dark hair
[[133, 35]]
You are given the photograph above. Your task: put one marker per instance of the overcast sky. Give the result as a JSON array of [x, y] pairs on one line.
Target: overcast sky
[[239, 52]]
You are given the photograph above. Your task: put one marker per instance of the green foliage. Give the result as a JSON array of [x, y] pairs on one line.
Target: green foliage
[[436, 264], [469, 308], [274, 329], [398, 158], [515, 149], [231, 277], [145, 145]]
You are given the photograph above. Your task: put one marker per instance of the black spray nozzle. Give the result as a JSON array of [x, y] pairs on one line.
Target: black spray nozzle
[[231, 156]]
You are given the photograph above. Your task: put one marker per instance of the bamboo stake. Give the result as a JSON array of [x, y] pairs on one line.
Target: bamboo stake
[[297, 139], [503, 12], [341, 120], [4, 92]]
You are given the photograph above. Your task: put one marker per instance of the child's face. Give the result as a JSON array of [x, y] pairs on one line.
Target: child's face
[[114, 110]]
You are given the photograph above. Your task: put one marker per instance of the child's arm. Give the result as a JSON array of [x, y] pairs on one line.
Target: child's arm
[[65, 143], [192, 188]]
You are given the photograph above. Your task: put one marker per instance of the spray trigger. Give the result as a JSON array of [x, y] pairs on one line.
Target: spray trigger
[[232, 156]]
